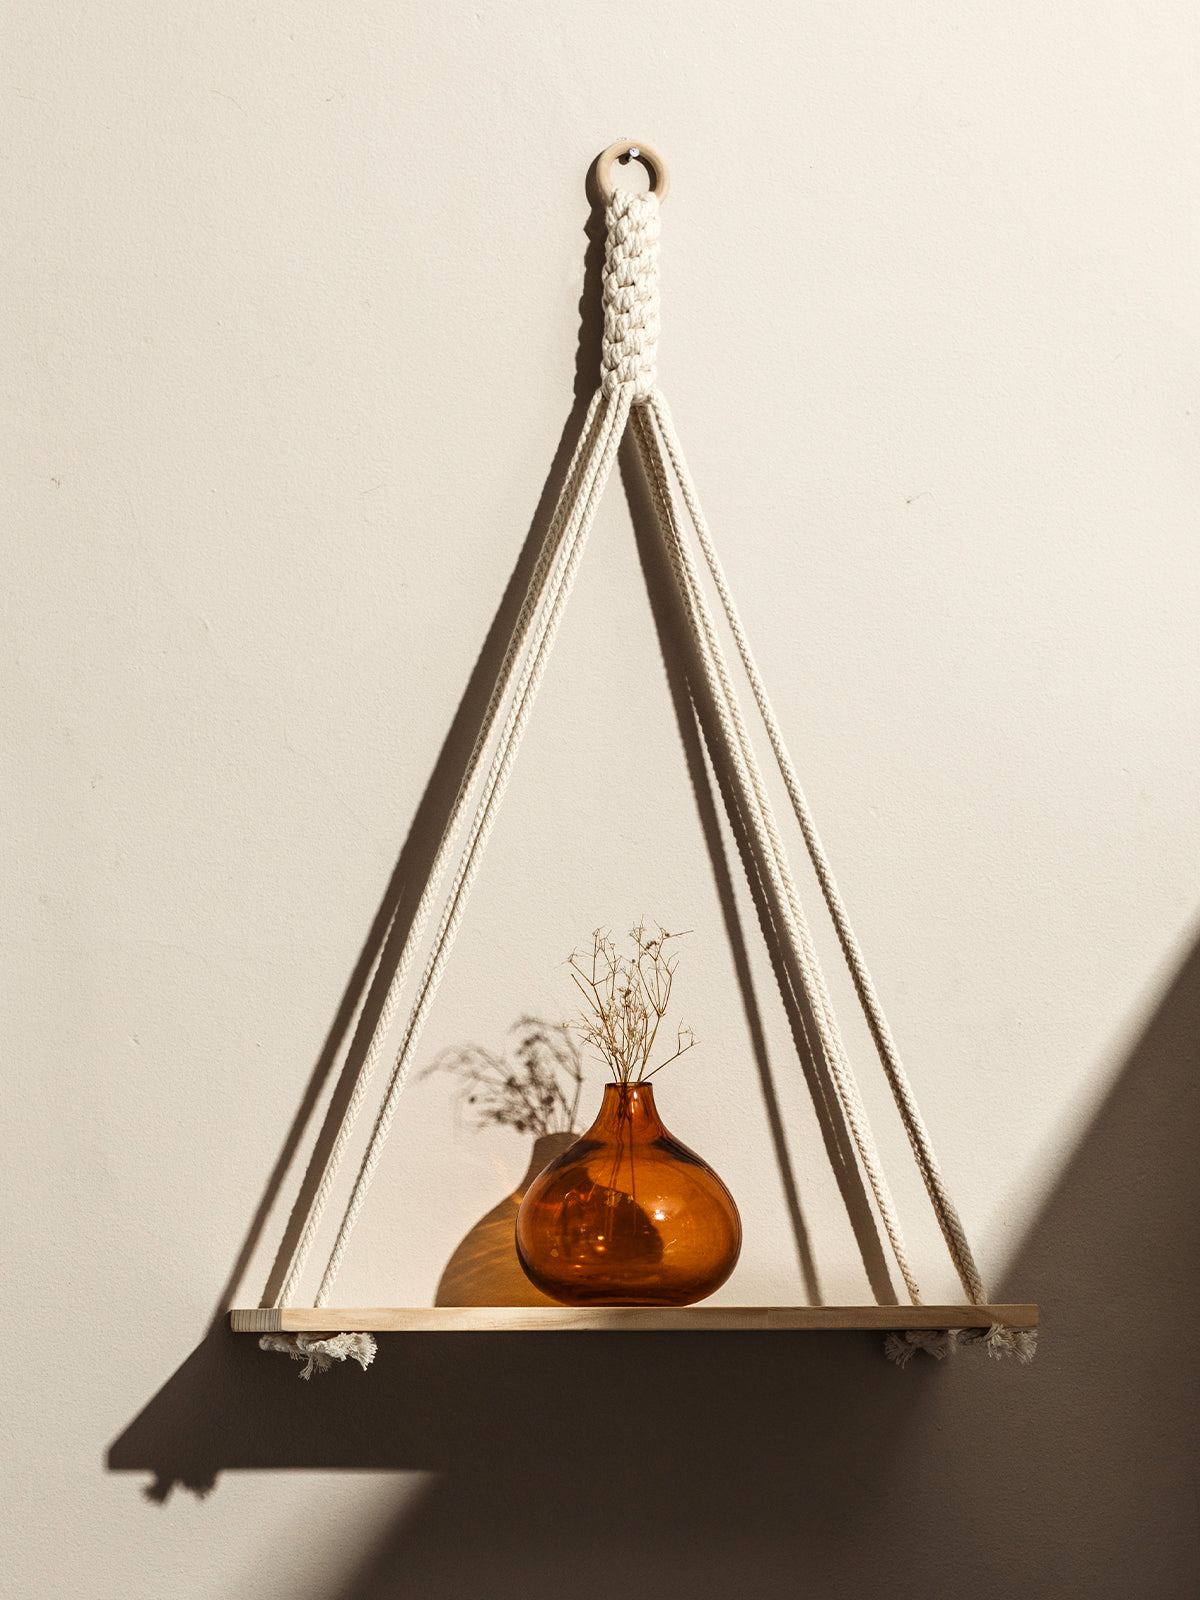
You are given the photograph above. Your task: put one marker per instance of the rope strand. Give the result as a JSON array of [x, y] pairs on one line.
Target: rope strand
[[756, 806], [914, 1125]]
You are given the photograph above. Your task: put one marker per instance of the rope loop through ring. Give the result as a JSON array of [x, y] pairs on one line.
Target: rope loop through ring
[[641, 152]]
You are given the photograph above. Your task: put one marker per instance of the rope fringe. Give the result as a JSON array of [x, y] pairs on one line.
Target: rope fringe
[[999, 1342], [320, 1354]]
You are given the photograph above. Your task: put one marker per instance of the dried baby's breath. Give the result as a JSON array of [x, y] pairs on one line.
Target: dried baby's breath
[[625, 997]]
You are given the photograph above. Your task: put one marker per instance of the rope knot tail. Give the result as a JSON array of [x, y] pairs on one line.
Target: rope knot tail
[[318, 1353], [998, 1341], [630, 294]]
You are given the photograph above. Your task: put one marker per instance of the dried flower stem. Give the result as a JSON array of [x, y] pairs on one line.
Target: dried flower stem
[[625, 998]]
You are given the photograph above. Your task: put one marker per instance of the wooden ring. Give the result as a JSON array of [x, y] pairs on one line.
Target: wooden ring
[[660, 178]]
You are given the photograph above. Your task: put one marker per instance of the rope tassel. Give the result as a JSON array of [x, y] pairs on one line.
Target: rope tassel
[[1020, 1343], [319, 1354], [628, 391]]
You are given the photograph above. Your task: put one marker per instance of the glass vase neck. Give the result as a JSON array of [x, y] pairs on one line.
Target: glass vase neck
[[629, 1108]]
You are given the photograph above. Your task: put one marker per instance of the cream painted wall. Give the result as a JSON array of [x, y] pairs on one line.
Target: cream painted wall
[[293, 302]]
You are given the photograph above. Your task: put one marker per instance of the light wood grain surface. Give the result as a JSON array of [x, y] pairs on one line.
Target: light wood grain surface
[[617, 1319]]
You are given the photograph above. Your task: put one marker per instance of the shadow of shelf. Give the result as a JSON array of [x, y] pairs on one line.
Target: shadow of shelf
[[623, 1319]]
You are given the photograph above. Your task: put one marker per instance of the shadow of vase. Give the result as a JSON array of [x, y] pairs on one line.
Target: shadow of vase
[[484, 1270]]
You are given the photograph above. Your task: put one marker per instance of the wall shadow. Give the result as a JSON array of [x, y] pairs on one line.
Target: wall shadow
[[483, 1269], [532, 1088], [714, 1465]]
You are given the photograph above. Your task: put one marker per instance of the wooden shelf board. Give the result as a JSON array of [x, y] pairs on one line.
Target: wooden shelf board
[[622, 1319]]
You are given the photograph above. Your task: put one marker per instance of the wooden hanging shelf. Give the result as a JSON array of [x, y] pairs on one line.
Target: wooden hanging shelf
[[623, 1319], [628, 396]]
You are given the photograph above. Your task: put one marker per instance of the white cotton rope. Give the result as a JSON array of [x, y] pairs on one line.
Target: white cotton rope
[[628, 387], [756, 807], [947, 1215]]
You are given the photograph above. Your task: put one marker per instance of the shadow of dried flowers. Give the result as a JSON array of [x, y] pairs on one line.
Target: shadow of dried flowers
[[533, 1088]]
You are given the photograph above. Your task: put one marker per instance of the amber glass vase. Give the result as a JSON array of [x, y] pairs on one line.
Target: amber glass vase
[[628, 1216]]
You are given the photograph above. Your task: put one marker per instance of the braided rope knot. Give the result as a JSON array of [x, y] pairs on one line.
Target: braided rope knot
[[630, 294]]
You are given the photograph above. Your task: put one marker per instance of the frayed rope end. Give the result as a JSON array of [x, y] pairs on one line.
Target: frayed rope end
[[998, 1341], [320, 1354]]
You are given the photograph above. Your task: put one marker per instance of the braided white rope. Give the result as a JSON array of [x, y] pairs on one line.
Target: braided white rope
[[630, 294], [918, 1135], [758, 811]]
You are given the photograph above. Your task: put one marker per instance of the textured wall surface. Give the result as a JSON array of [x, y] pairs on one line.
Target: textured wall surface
[[300, 315]]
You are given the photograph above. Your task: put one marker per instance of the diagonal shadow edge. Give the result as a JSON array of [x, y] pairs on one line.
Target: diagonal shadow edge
[[1072, 1477]]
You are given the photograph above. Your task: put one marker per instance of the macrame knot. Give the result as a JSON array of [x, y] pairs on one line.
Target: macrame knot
[[630, 294]]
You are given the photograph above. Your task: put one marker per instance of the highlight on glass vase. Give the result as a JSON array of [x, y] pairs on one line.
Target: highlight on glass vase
[[628, 1215]]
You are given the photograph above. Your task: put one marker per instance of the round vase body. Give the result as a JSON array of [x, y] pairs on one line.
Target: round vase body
[[628, 1215]]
